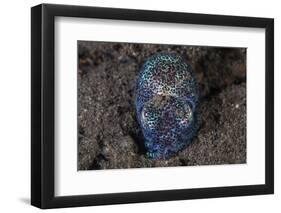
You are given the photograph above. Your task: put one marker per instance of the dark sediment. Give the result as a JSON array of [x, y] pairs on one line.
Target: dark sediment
[[109, 135]]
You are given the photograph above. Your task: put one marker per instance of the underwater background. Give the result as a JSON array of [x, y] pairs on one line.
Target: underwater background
[[109, 135]]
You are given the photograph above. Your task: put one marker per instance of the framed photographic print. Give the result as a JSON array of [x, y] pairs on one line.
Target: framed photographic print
[[139, 106]]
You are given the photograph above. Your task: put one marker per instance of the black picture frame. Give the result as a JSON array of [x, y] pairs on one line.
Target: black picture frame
[[43, 105]]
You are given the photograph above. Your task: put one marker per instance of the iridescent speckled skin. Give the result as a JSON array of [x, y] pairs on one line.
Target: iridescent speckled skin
[[166, 104]]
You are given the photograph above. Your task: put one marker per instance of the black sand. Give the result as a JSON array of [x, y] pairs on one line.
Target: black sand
[[109, 135]]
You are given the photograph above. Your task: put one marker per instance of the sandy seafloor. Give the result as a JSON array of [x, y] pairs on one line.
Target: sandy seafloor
[[109, 136]]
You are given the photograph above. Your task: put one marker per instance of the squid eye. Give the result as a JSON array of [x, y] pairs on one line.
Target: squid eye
[[184, 114], [149, 117]]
